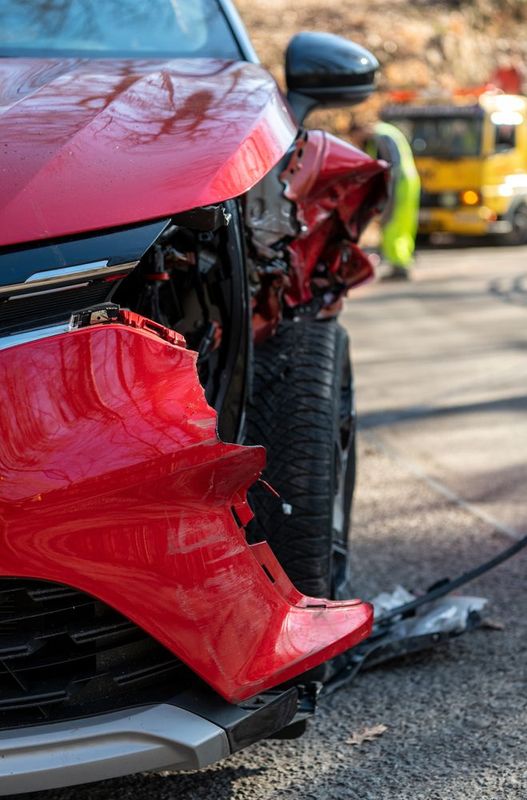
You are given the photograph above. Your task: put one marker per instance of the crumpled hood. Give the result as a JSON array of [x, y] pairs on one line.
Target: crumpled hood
[[86, 145]]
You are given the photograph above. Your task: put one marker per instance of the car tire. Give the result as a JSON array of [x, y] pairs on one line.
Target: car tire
[[423, 240], [302, 411], [518, 234]]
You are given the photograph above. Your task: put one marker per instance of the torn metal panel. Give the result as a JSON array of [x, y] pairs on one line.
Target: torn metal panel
[[336, 189], [305, 218]]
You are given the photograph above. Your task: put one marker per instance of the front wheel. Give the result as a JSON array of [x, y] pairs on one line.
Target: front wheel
[[302, 411], [518, 234]]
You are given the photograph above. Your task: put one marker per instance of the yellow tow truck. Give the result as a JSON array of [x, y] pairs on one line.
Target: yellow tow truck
[[471, 155]]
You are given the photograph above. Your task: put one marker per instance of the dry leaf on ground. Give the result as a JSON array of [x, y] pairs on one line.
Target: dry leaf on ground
[[367, 735]]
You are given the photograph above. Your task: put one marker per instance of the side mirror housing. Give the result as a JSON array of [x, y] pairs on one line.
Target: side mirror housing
[[327, 70]]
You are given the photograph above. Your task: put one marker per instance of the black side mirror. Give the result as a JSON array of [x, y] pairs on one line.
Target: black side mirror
[[326, 70]]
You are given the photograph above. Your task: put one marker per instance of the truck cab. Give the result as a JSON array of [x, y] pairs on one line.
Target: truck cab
[[471, 155]]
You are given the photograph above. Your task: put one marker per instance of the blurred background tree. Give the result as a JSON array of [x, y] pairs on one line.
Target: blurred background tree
[[433, 45]]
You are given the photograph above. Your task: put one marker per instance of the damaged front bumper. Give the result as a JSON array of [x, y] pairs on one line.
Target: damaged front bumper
[[113, 481]]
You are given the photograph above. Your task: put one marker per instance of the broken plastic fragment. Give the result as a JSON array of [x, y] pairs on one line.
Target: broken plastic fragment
[[451, 615], [385, 601]]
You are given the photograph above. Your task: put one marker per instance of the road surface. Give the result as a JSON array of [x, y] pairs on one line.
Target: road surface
[[441, 370]]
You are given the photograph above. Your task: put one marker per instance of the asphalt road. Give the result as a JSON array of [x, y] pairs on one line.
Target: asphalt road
[[441, 368]]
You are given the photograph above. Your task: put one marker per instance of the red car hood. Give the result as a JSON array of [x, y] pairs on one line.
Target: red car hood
[[86, 145]]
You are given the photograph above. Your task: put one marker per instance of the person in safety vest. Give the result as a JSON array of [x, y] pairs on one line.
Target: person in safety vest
[[400, 217]]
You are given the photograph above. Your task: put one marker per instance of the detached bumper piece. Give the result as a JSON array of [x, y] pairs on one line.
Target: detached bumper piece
[[115, 484], [163, 736]]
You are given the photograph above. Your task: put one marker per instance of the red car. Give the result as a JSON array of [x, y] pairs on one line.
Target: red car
[[174, 250]]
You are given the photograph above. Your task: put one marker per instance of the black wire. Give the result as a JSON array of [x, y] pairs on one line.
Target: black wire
[[448, 586]]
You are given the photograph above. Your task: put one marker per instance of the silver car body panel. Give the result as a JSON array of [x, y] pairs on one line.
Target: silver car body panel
[[22, 337], [107, 746]]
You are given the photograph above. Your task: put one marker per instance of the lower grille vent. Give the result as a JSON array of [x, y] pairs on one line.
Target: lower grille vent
[[46, 308], [64, 654]]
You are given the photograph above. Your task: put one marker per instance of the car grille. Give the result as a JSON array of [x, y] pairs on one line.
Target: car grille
[[42, 283], [430, 199], [43, 308], [64, 654]]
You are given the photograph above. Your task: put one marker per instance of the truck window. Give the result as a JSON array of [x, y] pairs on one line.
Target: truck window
[[505, 125], [505, 138], [442, 137]]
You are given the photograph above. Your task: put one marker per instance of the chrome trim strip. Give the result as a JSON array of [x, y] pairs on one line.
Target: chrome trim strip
[[22, 337], [89, 272], [49, 291], [107, 746], [58, 273]]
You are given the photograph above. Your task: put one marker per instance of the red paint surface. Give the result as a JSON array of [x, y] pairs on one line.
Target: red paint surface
[[113, 481], [86, 145]]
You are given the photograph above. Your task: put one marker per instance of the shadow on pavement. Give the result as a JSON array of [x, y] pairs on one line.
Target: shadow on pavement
[[211, 784], [376, 419]]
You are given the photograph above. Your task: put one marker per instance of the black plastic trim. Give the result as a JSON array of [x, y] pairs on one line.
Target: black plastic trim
[[248, 722], [231, 399], [238, 31], [117, 246]]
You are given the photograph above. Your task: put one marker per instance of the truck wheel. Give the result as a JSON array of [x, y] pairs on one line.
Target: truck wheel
[[518, 235], [302, 411]]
